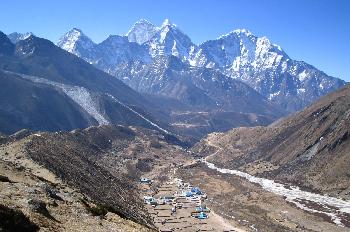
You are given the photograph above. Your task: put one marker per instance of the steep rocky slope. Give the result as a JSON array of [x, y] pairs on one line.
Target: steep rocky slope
[[309, 148], [64, 180]]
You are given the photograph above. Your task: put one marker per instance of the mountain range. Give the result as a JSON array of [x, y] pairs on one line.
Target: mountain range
[[171, 96], [241, 55], [236, 80]]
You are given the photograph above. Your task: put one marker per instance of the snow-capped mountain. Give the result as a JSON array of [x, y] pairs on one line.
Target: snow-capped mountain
[[110, 52], [141, 32], [77, 43], [239, 54], [265, 67], [170, 40], [197, 87], [15, 36]]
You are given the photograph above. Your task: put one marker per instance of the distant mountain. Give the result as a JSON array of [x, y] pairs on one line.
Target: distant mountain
[[239, 54], [170, 40], [76, 42], [267, 68], [59, 91], [210, 101], [141, 32], [200, 88], [105, 55], [154, 61], [15, 36]]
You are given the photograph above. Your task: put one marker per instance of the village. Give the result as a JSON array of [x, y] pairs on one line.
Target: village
[[178, 206]]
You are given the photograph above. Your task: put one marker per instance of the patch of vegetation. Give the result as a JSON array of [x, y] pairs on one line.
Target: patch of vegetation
[[97, 209], [144, 165], [39, 206], [5, 179], [15, 220], [155, 144]]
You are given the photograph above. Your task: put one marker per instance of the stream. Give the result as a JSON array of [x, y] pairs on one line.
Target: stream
[[337, 209]]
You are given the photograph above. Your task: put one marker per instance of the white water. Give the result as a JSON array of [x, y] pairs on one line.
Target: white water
[[294, 194]]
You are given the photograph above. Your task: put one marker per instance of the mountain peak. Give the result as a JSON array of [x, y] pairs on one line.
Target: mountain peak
[[75, 29], [6, 47], [143, 21], [34, 45], [166, 23], [75, 32], [238, 32], [141, 32], [242, 31], [71, 38], [15, 36]]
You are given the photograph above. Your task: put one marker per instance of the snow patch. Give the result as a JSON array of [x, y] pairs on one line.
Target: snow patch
[[302, 76], [301, 90], [273, 95]]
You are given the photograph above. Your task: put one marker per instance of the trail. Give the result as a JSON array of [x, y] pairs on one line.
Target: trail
[[337, 209]]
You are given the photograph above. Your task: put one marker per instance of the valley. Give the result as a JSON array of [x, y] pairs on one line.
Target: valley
[[150, 131], [237, 201]]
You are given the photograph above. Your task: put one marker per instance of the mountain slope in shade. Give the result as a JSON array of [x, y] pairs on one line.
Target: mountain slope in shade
[[25, 104], [241, 55], [7, 47], [309, 149], [92, 96]]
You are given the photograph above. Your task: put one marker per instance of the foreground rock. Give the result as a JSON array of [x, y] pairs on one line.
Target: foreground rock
[[83, 180]]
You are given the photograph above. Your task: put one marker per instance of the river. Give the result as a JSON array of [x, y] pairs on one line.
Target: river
[[333, 207]]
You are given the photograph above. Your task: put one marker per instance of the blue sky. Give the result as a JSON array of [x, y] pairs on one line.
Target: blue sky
[[316, 31]]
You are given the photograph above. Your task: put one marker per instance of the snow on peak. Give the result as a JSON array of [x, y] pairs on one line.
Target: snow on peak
[[238, 33], [143, 21], [242, 31], [15, 36], [141, 32], [166, 23], [69, 41]]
